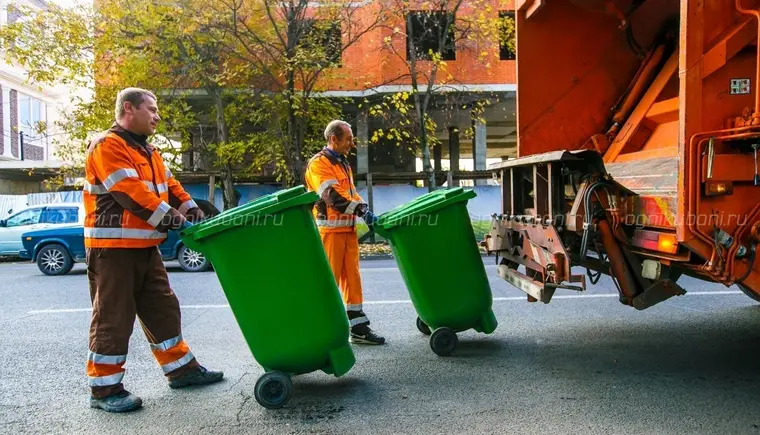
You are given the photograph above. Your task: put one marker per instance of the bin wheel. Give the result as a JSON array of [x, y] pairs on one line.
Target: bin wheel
[[443, 341], [273, 390], [422, 327]]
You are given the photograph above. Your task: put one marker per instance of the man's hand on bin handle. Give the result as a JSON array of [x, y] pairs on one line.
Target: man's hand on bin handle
[[370, 219], [195, 215]]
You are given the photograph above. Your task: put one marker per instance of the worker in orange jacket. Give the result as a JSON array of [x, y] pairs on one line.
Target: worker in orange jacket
[[329, 174], [131, 200]]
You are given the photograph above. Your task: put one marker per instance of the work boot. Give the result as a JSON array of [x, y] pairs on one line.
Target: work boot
[[362, 334], [123, 401], [202, 376]]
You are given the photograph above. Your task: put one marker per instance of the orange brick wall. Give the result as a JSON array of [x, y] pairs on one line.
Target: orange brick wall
[[368, 64]]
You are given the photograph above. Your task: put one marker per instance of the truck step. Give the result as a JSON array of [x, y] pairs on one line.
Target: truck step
[[659, 291]]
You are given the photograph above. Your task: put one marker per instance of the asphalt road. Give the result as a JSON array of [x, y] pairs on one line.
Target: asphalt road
[[581, 364]]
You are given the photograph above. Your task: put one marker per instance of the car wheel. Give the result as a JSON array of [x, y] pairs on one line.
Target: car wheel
[[191, 261], [54, 260]]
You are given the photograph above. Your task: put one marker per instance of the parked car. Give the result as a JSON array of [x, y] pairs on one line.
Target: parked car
[[56, 250], [35, 218]]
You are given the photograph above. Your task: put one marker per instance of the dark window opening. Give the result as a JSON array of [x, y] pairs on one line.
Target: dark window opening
[[507, 35], [324, 41], [425, 30]]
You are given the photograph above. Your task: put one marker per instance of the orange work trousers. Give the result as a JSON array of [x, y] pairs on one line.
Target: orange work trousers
[[342, 249]]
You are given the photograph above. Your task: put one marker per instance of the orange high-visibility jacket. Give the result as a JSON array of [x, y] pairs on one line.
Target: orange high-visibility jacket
[[131, 199], [339, 203]]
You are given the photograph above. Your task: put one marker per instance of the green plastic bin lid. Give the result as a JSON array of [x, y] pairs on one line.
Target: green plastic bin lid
[[254, 211], [423, 205]]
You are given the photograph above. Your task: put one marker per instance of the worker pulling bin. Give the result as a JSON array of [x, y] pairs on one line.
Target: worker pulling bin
[[274, 298], [435, 248]]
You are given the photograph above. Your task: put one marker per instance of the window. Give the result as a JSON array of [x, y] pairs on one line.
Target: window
[[60, 215], [26, 217], [323, 40], [32, 117], [425, 30], [507, 35]]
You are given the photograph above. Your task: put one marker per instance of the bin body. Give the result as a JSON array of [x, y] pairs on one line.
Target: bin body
[[273, 269], [434, 245]]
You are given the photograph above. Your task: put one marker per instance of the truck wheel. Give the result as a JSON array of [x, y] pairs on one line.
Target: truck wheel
[[191, 261], [54, 260], [748, 292]]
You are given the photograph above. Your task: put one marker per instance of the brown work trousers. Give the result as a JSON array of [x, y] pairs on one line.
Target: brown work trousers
[[125, 283]]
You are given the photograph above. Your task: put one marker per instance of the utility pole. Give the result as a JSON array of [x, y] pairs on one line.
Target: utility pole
[[21, 144]]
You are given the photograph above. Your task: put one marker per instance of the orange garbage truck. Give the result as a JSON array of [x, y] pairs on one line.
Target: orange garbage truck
[[638, 126]]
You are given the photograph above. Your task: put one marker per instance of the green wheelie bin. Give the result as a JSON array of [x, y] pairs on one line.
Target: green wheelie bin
[[434, 244], [271, 264]]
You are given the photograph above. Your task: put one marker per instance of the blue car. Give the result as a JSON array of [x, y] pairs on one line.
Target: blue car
[[56, 250]]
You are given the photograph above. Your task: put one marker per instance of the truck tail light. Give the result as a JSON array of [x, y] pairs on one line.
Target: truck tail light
[[718, 188], [655, 241]]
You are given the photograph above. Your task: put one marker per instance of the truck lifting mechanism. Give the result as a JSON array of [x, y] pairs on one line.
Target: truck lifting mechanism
[[638, 139]]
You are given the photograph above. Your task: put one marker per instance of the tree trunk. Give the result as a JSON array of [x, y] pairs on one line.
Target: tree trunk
[[228, 189], [420, 109]]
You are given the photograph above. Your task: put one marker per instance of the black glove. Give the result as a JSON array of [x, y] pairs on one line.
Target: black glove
[[370, 219]]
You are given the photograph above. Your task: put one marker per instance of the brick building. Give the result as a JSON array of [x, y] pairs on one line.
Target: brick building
[[368, 71], [475, 70]]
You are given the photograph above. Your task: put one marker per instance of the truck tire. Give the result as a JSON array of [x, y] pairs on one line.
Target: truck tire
[[54, 260], [748, 292]]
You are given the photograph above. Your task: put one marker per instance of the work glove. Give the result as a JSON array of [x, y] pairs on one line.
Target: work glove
[[370, 219], [361, 209], [195, 215]]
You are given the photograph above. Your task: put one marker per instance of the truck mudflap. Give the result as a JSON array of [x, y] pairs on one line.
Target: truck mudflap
[[560, 210]]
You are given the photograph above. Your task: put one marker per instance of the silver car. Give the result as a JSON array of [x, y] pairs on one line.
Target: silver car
[[34, 218]]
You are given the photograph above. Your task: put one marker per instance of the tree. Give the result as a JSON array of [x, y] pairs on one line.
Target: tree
[[295, 46], [424, 38], [166, 47]]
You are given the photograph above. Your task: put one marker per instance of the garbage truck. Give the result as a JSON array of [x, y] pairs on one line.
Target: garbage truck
[[638, 133]]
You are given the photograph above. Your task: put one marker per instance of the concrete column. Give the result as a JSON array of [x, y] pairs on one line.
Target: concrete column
[[479, 149], [362, 145], [454, 152]]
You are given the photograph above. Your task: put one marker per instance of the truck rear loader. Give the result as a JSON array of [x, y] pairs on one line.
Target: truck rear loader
[[638, 126]]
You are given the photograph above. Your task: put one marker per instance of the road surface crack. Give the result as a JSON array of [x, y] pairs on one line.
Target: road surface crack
[[238, 381], [246, 398]]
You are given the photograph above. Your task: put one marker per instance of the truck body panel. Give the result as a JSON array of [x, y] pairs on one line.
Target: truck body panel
[[665, 92]]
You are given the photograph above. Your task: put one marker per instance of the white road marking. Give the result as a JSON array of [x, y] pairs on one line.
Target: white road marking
[[404, 301]]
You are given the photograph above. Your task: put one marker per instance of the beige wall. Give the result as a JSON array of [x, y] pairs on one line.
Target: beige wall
[[15, 187]]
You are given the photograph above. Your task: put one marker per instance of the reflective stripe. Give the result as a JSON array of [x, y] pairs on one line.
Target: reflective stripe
[[118, 175], [161, 187], [325, 184], [177, 364], [95, 189], [159, 214], [122, 233], [168, 174], [359, 320], [105, 359], [354, 307], [187, 205], [167, 344], [104, 381], [335, 223], [351, 207]]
